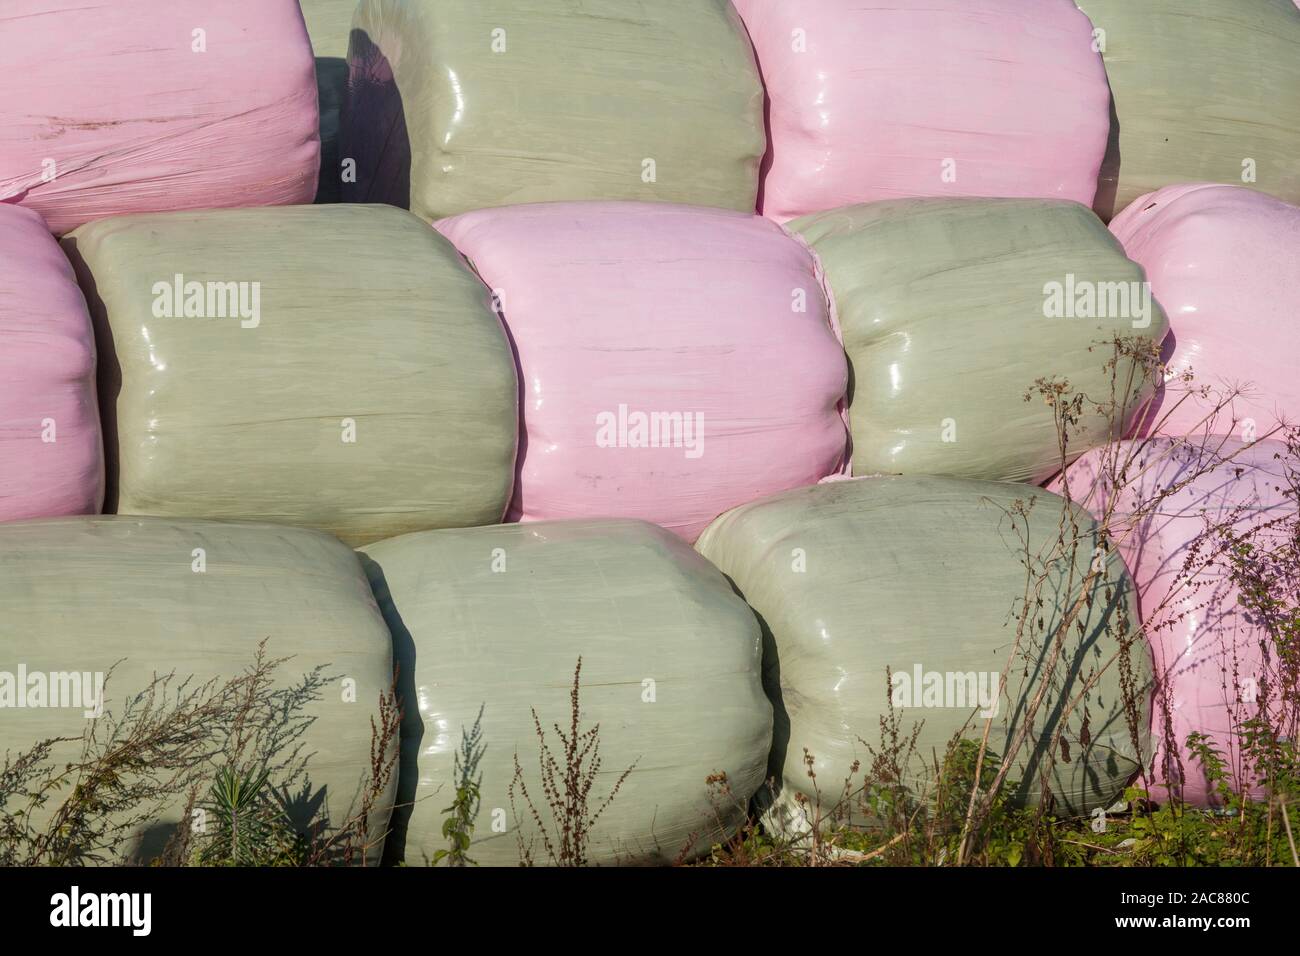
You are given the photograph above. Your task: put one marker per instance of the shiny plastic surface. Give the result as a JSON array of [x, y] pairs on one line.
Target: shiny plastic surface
[[329, 22], [362, 387], [118, 110], [1224, 261], [466, 104], [869, 587], [51, 456], [884, 100], [944, 308], [496, 618], [668, 371], [1205, 91], [1208, 652], [99, 594]]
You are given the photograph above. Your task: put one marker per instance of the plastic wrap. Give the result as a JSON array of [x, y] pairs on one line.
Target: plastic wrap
[[872, 589], [362, 386], [496, 619], [1209, 652], [885, 100], [952, 309], [467, 104], [51, 456], [675, 361], [129, 599], [156, 105], [1204, 91], [1225, 263], [329, 23]]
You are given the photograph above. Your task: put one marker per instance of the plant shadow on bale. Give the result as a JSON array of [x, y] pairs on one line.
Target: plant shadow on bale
[[150, 781], [373, 128], [1077, 775], [1072, 673], [265, 731]]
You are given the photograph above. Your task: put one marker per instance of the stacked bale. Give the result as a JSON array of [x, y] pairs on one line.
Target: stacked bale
[[882, 100], [631, 357], [896, 598], [325, 366], [489, 624], [1225, 263], [1180, 511], [1204, 91], [51, 456], [952, 310], [156, 105], [467, 104], [675, 361], [97, 608]]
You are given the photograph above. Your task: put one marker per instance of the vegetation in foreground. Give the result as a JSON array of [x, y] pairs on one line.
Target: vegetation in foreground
[[233, 749], [963, 815]]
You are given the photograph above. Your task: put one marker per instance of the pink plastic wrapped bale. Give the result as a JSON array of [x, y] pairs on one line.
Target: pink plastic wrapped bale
[[51, 455], [1216, 666], [155, 105], [675, 361], [1224, 261], [876, 99]]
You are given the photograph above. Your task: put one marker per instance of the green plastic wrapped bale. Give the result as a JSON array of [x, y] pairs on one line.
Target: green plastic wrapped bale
[[1203, 91], [96, 607], [333, 367], [489, 623], [467, 104], [329, 22], [896, 598], [952, 310]]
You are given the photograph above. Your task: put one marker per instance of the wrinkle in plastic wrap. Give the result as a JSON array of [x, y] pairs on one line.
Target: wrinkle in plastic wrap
[[155, 105], [333, 367], [119, 598], [51, 456], [675, 361], [1225, 262], [903, 589], [493, 620], [1204, 91], [1211, 668], [885, 100], [469, 104], [951, 310]]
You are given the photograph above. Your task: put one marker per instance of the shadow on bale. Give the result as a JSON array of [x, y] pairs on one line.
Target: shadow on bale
[[373, 129]]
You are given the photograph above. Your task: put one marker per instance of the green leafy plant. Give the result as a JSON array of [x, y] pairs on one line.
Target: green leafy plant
[[251, 828], [154, 754], [458, 824]]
